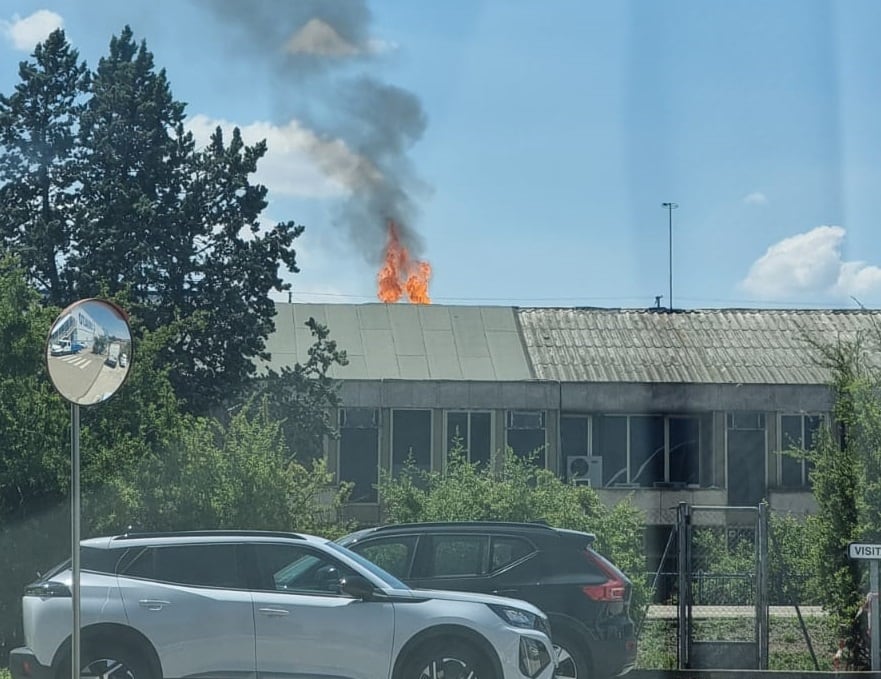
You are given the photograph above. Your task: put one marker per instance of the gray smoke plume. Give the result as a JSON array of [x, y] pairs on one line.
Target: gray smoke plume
[[318, 54]]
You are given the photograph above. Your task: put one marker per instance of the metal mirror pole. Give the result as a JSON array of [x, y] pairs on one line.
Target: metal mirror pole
[[75, 536], [97, 335]]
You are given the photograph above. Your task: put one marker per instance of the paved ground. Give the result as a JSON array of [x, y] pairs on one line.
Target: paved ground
[[746, 674], [671, 612]]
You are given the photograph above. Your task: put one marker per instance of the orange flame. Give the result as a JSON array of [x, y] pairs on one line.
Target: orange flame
[[400, 274]]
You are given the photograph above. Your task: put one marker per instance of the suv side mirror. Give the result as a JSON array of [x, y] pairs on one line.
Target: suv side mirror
[[357, 587], [328, 577]]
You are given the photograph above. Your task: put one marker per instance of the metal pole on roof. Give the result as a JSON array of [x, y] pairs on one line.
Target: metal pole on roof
[[670, 207]]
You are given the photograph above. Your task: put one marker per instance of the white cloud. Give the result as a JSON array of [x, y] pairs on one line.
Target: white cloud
[[810, 265], [297, 162], [755, 198], [25, 33]]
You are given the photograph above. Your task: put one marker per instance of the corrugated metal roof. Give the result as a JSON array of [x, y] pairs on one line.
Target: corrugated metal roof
[[716, 346], [407, 341]]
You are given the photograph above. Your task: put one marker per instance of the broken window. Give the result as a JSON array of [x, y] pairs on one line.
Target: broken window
[[526, 434], [648, 450]]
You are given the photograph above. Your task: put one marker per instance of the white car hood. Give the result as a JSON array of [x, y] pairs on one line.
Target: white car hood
[[473, 597]]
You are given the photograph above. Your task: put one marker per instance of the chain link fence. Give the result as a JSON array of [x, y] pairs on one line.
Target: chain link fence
[[729, 602]]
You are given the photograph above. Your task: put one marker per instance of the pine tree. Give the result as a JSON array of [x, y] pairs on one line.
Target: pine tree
[[38, 163], [176, 229]]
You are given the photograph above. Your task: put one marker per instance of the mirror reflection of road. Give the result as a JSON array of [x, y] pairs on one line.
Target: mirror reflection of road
[[84, 377]]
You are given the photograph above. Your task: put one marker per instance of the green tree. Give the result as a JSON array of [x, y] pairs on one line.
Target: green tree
[[846, 474], [33, 456], [108, 194], [38, 177], [134, 153], [210, 475], [794, 560], [176, 227], [305, 399], [33, 419], [142, 417]]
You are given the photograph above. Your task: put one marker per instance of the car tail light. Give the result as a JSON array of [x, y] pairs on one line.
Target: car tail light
[[46, 590], [613, 589]]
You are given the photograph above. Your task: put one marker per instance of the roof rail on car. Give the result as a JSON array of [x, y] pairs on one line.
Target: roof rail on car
[[136, 535], [539, 525]]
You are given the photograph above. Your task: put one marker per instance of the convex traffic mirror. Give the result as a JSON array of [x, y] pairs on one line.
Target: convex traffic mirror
[[89, 351]]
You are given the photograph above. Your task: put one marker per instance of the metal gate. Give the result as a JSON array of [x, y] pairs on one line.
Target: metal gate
[[722, 587]]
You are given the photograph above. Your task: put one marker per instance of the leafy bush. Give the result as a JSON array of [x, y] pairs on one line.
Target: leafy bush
[[214, 476], [846, 474]]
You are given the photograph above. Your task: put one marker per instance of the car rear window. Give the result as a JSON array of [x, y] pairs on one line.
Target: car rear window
[[459, 555], [506, 550], [91, 559], [393, 555], [100, 560], [199, 565]]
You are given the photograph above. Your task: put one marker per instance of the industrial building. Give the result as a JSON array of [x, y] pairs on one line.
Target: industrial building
[[658, 405]]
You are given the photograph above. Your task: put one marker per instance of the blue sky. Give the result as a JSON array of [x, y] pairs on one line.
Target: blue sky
[[528, 145]]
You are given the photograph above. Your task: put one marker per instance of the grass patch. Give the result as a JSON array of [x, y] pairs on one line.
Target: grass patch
[[4, 673], [657, 645], [787, 647]]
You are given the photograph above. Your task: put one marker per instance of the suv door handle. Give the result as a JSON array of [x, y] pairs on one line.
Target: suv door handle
[[153, 604], [274, 612], [503, 592]]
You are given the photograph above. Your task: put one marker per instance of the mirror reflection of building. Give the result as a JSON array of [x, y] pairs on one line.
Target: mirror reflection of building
[[89, 351]]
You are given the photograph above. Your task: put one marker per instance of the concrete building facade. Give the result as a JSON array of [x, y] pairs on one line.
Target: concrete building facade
[[659, 406]]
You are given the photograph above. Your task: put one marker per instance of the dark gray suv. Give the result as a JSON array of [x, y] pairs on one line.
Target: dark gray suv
[[586, 598]]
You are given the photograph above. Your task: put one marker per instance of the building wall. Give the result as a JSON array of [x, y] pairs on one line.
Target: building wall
[[671, 398], [450, 395], [712, 402]]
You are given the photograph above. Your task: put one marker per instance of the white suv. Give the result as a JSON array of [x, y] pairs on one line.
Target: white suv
[[246, 605]]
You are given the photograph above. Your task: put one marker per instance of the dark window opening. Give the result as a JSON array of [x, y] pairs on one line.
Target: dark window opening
[[797, 433], [359, 462], [574, 436], [526, 435], [684, 434], [610, 443], [647, 450], [411, 439], [746, 456], [472, 432]]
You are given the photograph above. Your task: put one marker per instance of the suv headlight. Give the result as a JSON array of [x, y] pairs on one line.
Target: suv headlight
[[517, 617]]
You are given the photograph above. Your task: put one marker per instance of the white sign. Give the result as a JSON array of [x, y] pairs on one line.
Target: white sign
[[856, 550]]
